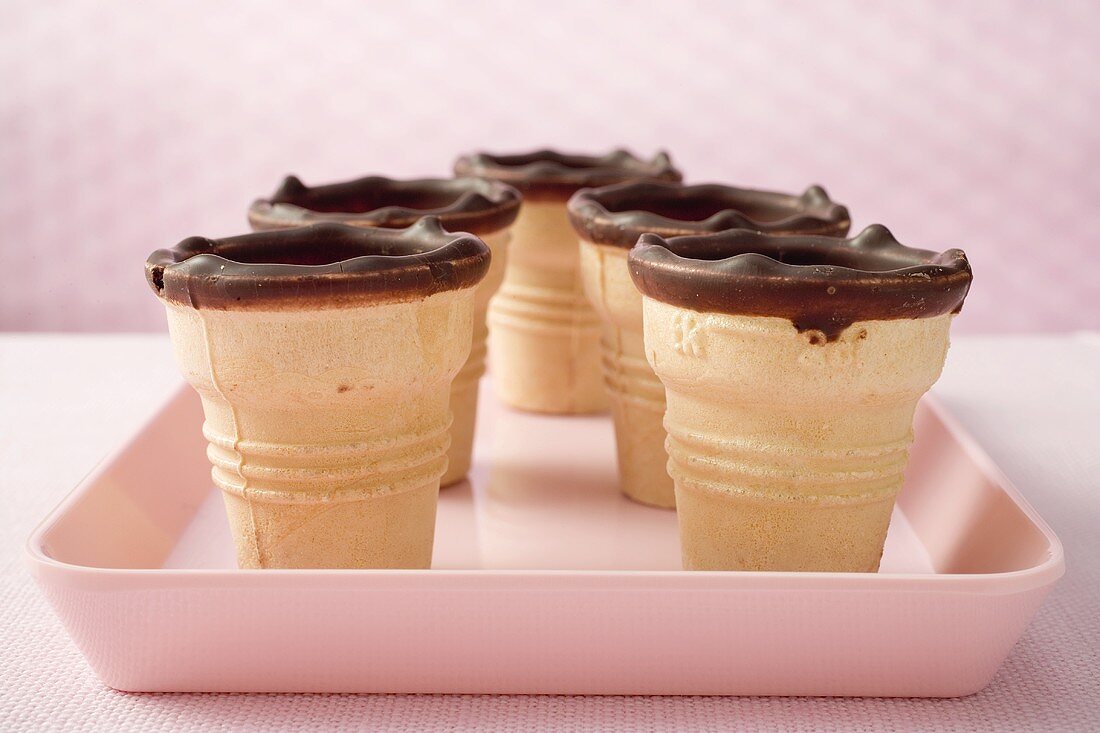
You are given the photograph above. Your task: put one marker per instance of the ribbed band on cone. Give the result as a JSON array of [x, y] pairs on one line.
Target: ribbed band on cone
[[637, 396], [787, 453], [328, 429], [545, 337], [464, 388]]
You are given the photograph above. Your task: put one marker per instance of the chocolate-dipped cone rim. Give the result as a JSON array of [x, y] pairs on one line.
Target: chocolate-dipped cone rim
[[821, 284], [549, 174], [619, 214], [475, 205], [318, 266]]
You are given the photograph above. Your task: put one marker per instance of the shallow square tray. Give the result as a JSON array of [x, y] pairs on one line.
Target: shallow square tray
[[545, 580]]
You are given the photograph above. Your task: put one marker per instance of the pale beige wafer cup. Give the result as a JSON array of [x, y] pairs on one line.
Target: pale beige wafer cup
[[609, 221], [544, 351], [545, 336], [479, 206], [789, 420], [636, 395], [466, 385], [324, 357]]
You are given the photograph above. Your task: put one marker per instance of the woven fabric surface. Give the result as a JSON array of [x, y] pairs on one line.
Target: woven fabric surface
[[1032, 402]]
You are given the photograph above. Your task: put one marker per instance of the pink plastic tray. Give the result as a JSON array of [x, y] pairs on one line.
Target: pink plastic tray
[[545, 580]]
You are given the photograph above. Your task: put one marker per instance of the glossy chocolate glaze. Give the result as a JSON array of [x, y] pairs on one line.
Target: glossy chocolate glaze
[[822, 284], [473, 205], [547, 175], [618, 215], [323, 265]]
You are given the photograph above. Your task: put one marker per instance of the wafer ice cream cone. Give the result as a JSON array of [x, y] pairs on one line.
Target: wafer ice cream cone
[[545, 349], [479, 206], [324, 357], [609, 221], [792, 368], [465, 388]]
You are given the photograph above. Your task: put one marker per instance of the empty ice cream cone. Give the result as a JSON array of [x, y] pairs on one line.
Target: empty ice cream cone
[[545, 337], [792, 367], [482, 207], [609, 221], [324, 357]]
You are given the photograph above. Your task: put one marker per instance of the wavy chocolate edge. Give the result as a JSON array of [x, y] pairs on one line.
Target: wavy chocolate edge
[[475, 205], [319, 266], [618, 215], [550, 175], [822, 284]]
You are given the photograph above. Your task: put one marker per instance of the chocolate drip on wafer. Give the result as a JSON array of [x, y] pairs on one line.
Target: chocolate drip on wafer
[[548, 175], [618, 215], [822, 284], [323, 265], [473, 205]]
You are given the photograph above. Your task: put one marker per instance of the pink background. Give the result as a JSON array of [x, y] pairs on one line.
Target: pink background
[[126, 127]]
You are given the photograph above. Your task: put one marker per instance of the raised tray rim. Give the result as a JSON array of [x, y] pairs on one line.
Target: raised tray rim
[[1001, 583]]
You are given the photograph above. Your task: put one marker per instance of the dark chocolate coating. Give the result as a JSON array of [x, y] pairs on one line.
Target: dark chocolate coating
[[820, 283], [318, 266], [473, 205], [547, 175], [618, 215]]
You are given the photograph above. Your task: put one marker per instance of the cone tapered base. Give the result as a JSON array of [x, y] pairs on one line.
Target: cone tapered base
[[328, 428], [637, 397], [545, 349], [788, 450]]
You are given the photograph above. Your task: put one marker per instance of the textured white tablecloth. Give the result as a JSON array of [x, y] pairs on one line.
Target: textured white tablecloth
[[1034, 402]]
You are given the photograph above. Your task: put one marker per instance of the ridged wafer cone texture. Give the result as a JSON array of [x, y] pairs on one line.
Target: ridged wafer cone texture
[[328, 429], [465, 387], [787, 453], [486, 208], [324, 357], [792, 367], [609, 221], [637, 396], [545, 351]]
